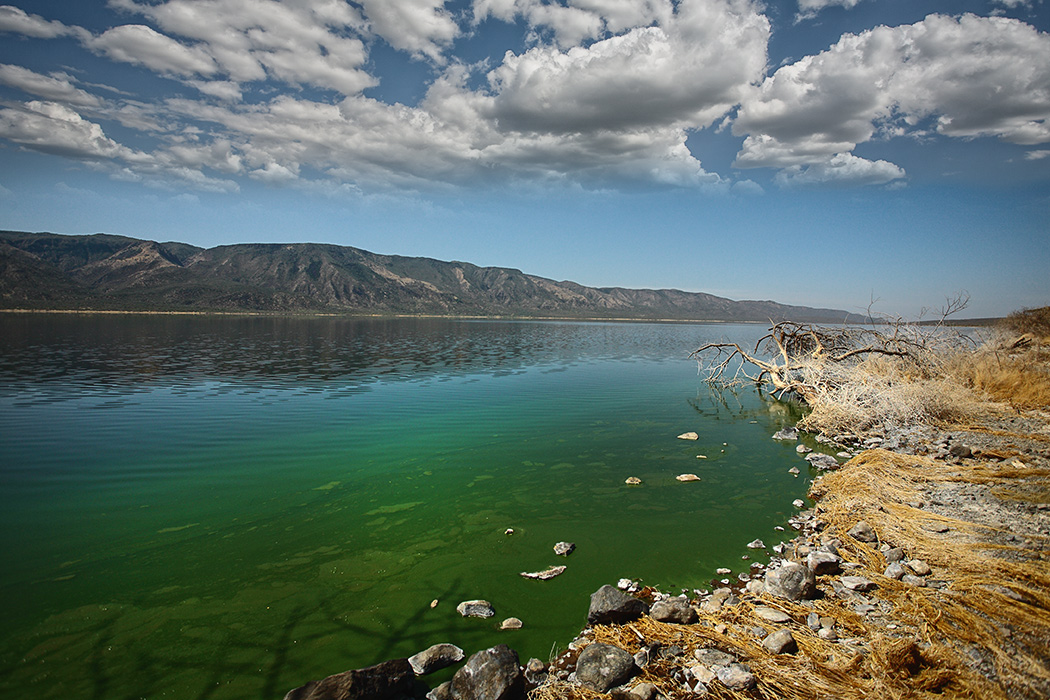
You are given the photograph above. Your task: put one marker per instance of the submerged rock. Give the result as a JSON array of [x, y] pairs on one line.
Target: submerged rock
[[385, 680], [756, 544], [610, 605], [603, 666], [475, 608], [633, 480], [564, 549], [546, 574], [491, 674], [786, 434]]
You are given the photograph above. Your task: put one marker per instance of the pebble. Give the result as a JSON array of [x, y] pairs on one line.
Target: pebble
[[920, 567]]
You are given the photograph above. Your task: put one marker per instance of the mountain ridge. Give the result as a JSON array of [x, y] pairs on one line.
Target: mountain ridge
[[107, 272]]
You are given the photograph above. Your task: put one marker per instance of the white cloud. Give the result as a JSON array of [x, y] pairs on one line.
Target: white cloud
[[53, 128], [1037, 155], [57, 87], [974, 76], [16, 21], [222, 89], [141, 45], [420, 27], [577, 20], [808, 9], [840, 169]]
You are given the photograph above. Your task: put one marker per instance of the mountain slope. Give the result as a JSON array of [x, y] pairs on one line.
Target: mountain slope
[[40, 270]]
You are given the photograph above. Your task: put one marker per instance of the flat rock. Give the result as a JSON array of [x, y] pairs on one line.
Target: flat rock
[[794, 470], [912, 580], [756, 544], [780, 642], [544, 575], [798, 503], [603, 666], [791, 581], [490, 674], [385, 680], [689, 436], [772, 615], [435, 658], [858, 583], [633, 480], [611, 605], [862, 532], [713, 658], [802, 449], [688, 477], [933, 526], [786, 434], [822, 461], [736, 677], [893, 554], [475, 608], [674, 610], [564, 549], [511, 623]]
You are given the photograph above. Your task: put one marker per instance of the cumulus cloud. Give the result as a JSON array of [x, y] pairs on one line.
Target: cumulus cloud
[[577, 21], [16, 21], [840, 169], [57, 87], [297, 42], [809, 8], [974, 76], [421, 27]]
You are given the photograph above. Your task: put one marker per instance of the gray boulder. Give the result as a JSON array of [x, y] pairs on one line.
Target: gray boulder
[[490, 674], [603, 666], [895, 571], [822, 461], [792, 581], [611, 605], [674, 610], [385, 680], [435, 658], [780, 642], [786, 434], [894, 554]]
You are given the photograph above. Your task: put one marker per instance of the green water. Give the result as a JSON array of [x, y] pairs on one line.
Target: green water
[[227, 508]]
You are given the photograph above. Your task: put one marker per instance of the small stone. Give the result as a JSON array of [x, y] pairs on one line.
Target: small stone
[[633, 480], [827, 622], [756, 544], [688, 477], [475, 608], [780, 642], [702, 673], [434, 603], [536, 672], [934, 527], [442, 692], [920, 567], [755, 587], [862, 532], [960, 451], [511, 623], [794, 470], [736, 677], [826, 634], [798, 503], [786, 434], [913, 580], [802, 449], [642, 691], [689, 436], [624, 583], [895, 571], [858, 583], [894, 554], [813, 621], [823, 461], [772, 615], [722, 571], [564, 549], [509, 531], [844, 455], [435, 658]]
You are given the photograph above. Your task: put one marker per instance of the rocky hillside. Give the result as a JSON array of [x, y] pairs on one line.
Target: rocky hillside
[[104, 272]]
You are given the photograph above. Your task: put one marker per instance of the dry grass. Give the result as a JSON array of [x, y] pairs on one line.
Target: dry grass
[[1020, 379], [1033, 321]]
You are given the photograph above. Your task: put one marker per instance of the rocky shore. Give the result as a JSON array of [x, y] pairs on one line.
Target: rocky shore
[[919, 569]]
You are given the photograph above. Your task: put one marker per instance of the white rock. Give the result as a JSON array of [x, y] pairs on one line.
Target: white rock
[[689, 436]]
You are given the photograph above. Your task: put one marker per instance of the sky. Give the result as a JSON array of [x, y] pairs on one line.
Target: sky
[[854, 154]]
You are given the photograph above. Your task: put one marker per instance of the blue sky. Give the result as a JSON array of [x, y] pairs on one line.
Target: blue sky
[[819, 152]]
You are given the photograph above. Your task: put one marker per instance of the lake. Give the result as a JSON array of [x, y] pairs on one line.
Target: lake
[[228, 507]]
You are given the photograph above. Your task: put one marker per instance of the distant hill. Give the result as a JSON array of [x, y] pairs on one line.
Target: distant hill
[[104, 272]]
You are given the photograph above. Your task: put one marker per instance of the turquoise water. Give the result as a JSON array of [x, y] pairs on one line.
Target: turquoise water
[[229, 507]]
